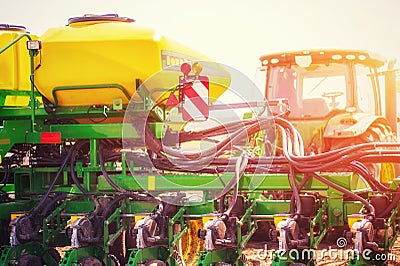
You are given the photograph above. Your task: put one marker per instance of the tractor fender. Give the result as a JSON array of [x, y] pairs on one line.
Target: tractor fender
[[351, 125]]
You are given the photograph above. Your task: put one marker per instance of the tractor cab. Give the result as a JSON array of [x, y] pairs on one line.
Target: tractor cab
[[330, 94]]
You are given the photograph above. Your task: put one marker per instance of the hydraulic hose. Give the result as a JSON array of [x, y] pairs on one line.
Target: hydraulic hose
[[337, 158], [44, 212], [392, 205], [59, 197], [365, 174], [215, 131], [125, 193], [239, 170], [52, 184], [105, 174], [6, 177], [368, 205], [72, 170], [296, 194], [286, 144], [220, 147]]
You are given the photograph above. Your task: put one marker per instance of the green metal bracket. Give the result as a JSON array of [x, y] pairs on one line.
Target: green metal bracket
[[141, 256], [117, 104], [225, 255], [75, 255], [173, 237], [335, 208], [322, 225], [391, 223], [149, 104], [17, 206], [251, 227], [12, 132], [120, 227], [89, 87], [53, 225]]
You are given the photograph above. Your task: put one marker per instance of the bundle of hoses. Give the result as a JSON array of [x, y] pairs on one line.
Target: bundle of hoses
[[352, 158]]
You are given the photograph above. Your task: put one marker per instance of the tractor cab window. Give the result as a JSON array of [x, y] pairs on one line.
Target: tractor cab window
[[312, 91], [366, 79]]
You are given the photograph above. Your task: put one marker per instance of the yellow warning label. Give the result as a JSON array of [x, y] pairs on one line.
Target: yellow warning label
[[151, 182], [5, 141]]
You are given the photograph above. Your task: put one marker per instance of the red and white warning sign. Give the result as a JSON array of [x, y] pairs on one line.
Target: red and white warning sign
[[195, 99]]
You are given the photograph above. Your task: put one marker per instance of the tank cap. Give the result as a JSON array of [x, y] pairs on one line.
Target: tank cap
[[12, 27], [105, 17]]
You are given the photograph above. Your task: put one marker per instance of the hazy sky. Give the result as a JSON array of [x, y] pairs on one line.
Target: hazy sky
[[237, 32]]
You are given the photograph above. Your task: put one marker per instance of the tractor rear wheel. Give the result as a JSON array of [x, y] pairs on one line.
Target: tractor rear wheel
[[377, 132]]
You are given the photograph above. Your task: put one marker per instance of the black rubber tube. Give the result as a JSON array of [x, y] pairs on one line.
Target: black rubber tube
[[52, 184], [368, 205]]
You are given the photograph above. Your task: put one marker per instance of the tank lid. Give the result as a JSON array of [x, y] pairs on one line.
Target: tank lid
[[94, 18], [12, 27]]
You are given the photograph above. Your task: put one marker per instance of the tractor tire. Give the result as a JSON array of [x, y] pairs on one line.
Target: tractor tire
[[377, 132], [90, 261]]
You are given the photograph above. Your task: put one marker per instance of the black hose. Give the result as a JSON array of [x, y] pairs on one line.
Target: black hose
[[105, 174], [295, 190], [392, 205], [368, 205], [239, 171], [72, 170], [292, 178], [44, 212], [286, 144], [60, 196], [221, 146], [52, 184], [6, 177], [364, 173], [221, 203]]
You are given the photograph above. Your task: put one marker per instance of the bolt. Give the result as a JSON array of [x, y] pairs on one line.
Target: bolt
[[336, 212]]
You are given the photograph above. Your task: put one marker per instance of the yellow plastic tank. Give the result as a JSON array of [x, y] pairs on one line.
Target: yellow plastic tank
[[97, 59], [14, 64]]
